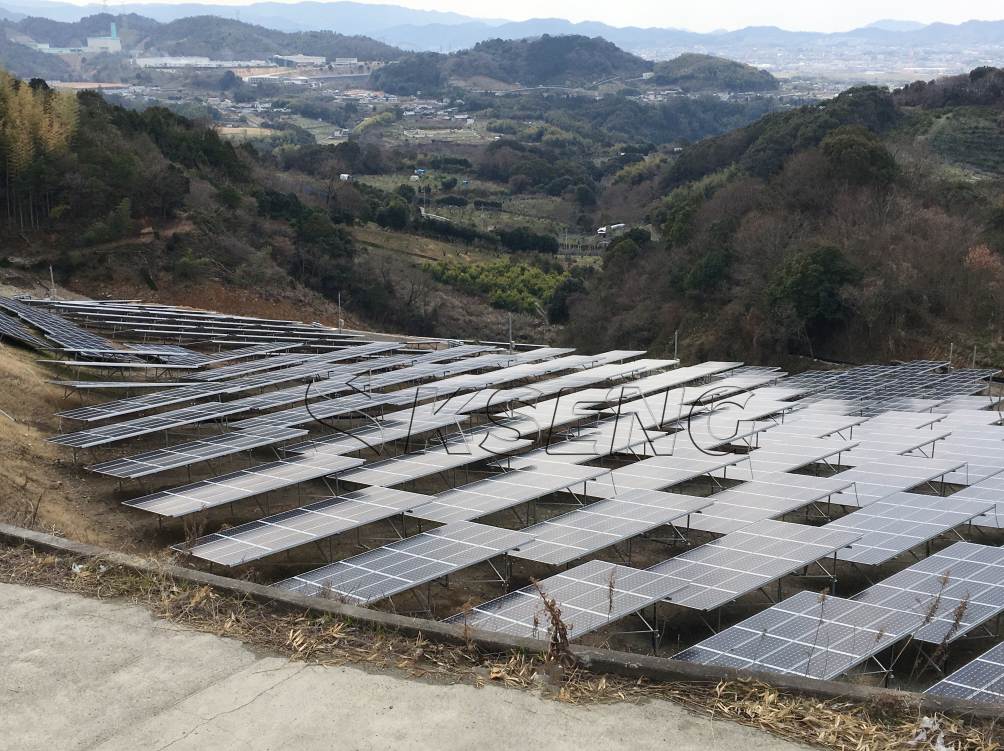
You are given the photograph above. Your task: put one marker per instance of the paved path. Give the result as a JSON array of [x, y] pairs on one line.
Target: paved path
[[78, 673]]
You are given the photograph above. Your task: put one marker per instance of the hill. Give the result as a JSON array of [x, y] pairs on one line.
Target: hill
[[571, 61], [845, 229], [547, 61], [694, 72]]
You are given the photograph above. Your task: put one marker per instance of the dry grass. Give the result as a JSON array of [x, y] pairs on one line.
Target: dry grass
[[330, 640]]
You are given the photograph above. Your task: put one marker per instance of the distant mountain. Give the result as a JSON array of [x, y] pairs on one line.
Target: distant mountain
[[210, 36], [343, 17], [694, 72], [891, 24], [884, 46]]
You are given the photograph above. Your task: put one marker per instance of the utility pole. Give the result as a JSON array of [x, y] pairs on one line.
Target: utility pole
[[340, 312], [52, 285], [676, 342], [511, 345]]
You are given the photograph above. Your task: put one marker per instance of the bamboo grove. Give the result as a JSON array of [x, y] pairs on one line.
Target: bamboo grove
[[36, 125]]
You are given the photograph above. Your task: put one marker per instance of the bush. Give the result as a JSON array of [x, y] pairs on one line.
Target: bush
[[523, 239]]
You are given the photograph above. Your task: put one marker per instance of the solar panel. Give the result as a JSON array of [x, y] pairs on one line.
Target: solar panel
[[877, 480], [660, 472], [236, 486], [575, 534], [590, 596], [937, 586], [612, 435], [384, 572], [721, 571], [191, 452], [901, 522], [992, 490], [374, 434], [980, 680], [812, 635], [770, 496], [503, 491], [458, 451], [289, 529], [11, 329]]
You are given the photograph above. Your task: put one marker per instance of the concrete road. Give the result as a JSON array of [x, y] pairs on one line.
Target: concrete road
[[78, 673]]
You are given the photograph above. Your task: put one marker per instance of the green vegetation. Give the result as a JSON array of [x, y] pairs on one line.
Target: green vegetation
[[411, 75], [972, 137], [516, 286], [695, 72]]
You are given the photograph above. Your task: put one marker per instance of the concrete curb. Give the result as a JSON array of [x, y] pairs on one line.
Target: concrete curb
[[625, 664]]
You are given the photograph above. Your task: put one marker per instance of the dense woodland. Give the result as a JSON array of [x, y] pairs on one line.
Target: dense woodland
[[826, 230]]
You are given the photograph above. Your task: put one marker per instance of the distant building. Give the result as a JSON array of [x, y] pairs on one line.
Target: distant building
[[110, 43], [346, 61], [195, 61], [300, 61], [95, 45]]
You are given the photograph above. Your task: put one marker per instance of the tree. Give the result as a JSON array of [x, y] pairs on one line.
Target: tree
[[810, 283], [856, 156], [585, 196], [394, 215]]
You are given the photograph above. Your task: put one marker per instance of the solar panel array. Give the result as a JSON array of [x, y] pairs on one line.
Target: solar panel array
[[763, 444], [63, 332]]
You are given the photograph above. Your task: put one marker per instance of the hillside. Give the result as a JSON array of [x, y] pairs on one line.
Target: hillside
[[120, 202], [22, 60], [836, 230], [695, 72], [572, 61]]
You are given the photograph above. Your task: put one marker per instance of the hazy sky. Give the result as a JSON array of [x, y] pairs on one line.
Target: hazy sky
[[808, 15]]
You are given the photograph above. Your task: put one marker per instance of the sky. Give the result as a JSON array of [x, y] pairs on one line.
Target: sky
[[804, 15]]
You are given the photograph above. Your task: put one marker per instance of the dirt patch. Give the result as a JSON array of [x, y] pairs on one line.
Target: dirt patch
[[39, 485]]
